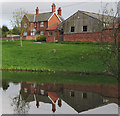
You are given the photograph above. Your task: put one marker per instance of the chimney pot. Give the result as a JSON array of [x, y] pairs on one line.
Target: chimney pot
[[53, 7], [37, 10], [59, 11]]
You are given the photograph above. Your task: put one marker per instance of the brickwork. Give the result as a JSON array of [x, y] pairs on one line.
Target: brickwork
[[107, 36], [50, 38], [14, 38], [53, 22], [81, 36], [30, 37]]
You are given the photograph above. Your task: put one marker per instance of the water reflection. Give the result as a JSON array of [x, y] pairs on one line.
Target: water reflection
[[5, 85], [78, 97]]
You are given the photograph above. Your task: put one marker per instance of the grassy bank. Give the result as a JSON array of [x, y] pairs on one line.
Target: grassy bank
[[68, 57], [61, 78]]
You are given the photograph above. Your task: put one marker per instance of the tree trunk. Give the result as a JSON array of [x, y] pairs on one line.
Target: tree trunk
[[21, 41]]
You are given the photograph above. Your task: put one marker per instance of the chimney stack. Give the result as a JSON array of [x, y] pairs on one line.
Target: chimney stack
[[53, 7], [59, 11], [53, 107], [37, 104], [59, 102], [37, 10]]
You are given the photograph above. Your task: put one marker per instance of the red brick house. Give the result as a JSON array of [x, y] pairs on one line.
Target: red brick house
[[46, 23]]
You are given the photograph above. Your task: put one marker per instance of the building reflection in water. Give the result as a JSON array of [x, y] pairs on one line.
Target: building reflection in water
[[79, 97]]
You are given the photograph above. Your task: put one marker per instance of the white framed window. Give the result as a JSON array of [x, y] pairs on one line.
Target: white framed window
[[42, 33], [42, 24], [25, 33], [25, 90], [33, 31], [42, 92]]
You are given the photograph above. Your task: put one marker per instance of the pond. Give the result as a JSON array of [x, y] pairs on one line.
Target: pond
[[35, 95]]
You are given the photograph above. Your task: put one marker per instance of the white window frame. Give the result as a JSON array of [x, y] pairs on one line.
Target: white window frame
[[42, 92], [42, 33], [25, 33], [25, 90], [33, 31], [41, 24]]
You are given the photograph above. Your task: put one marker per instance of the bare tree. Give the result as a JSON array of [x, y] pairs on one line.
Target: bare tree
[[109, 39], [20, 105], [18, 20]]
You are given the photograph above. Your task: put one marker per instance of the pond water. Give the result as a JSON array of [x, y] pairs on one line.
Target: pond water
[[42, 97]]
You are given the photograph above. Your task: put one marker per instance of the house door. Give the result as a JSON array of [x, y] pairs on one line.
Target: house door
[[56, 36]]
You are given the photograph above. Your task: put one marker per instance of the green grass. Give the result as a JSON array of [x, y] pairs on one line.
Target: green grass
[[61, 78], [68, 57], [84, 42]]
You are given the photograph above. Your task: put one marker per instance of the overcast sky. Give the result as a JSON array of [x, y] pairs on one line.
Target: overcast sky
[[68, 8]]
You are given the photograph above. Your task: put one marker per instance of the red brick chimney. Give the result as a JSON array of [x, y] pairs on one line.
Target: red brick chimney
[[59, 102], [59, 11], [53, 7], [37, 104], [37, 10], [53, 107]]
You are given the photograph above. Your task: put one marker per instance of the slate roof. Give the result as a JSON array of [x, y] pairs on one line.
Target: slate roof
[[61, 18], [30, 17], [97, 16], [41, 17]]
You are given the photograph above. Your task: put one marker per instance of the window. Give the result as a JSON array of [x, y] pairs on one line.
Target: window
[[84, 95], [25, 90], [25, 33], [33, 31], [42, 33], [25, 25], [72, 94], [72, 29], [50, 33], [42, 24], [35, 25], [42, 92], [84, 28]]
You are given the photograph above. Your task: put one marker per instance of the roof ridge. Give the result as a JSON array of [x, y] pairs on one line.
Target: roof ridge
[[30, 14], [89, 12], [94, 13], [45, 13]]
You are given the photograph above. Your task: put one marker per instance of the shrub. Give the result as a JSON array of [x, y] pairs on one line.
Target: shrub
[[41, 38]]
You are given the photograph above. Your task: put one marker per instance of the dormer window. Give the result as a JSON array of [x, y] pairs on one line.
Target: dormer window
[[42, 24]]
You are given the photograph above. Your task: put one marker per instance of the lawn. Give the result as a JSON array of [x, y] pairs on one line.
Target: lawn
[[68, 57]]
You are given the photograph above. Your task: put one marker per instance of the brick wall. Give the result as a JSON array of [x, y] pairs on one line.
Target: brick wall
[[81, 36], [30, 37], [53, 22], [49, 38], [18, 38], [14, 38], [90, 36], [105, 90]]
